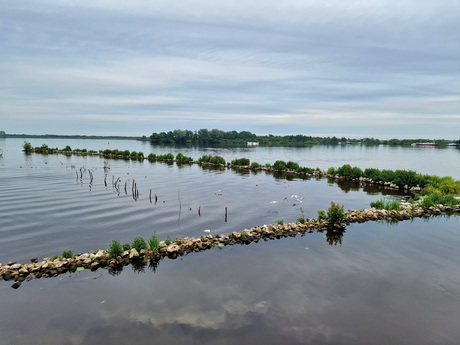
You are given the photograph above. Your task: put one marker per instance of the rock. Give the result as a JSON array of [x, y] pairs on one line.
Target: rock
[[16, 285], [133, 253], [94, 266]]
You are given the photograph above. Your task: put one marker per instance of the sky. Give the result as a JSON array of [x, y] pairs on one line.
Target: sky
[[371, 68]]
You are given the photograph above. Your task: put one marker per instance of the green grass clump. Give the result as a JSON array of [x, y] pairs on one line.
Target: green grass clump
[[126, 246], [68, 254], [139, 244], [301, 219], [391, 205], [154, 243], [279, 221], [168, 240], [115, 249], [436, 198]]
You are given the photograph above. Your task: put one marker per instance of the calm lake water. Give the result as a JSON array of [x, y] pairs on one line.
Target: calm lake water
[[386, 284]]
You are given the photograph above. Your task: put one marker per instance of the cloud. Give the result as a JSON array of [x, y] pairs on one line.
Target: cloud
[[291, 65]]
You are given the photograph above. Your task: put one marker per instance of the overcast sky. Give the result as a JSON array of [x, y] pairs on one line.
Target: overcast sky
[[371, 68]]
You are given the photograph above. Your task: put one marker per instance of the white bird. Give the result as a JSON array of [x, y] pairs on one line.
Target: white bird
[[207, 230]]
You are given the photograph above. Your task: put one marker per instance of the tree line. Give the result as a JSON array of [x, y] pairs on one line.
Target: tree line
[[216, 137]]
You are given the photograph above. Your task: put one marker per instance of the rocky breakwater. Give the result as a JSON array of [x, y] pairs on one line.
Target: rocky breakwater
[[94, 260]]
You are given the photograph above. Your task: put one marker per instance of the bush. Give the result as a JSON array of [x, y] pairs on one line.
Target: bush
[[335, 214], [115, 249], [240, 162], [255, 165], [27, 147], [152, 157], [126, 246], [279, 221], [139, 244], [301, 219], [292, 166], [165, 157], [133, 155], [280, 166], [181, 158]]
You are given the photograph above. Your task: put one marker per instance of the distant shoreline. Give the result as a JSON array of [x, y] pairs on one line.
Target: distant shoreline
[[62, 136]]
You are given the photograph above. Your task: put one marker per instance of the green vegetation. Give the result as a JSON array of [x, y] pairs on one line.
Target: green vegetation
[[181, 158], [126, 246], [168, 240], [279, 221], [301, 219], [212, 159], [216, 137], [154, 243], [139, 244], [68, 254], [387, 204], [335, 214], [27, 147], [115, 249], [240, 162]]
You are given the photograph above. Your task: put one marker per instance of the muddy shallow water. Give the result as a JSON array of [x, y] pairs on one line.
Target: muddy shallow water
[[386, 284]]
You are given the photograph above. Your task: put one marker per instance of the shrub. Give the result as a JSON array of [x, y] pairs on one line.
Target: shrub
[[27, 147], [335, 214], [67, 148], [140, 155], [168, 240], [68, 254], [280, 165], [126, 246], [181, 158], [152, 157], [165, 157], [331, 171], [126, 153], [139, 244], [279, 221], [240, 162], [292, 166], [154, 243], [115, 249], [255, 165], [133, 154], [301, 219]]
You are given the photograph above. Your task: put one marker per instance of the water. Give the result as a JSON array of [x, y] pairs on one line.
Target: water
[[386, 284]]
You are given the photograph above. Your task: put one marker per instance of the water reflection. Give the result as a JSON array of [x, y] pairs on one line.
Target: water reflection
[[334, 235]]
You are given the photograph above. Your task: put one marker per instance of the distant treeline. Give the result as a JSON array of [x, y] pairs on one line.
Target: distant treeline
[[57, 136], [216, 137]]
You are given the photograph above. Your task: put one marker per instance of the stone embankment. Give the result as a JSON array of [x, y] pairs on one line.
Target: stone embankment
[[179, 247]]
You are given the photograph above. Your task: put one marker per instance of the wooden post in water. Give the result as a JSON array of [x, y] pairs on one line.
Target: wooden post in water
[[150, 196], [105, 180], [226, 215], [199, 211]]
